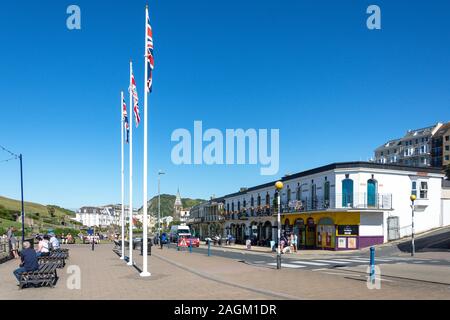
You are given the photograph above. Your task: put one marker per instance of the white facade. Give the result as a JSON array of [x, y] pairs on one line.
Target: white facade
[[102, 216], [379, 193]]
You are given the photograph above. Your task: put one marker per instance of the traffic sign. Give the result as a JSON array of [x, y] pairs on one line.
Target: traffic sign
[[182, 242]]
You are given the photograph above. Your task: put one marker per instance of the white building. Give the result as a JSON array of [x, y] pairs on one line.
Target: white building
[[341, 206], [103, 216]]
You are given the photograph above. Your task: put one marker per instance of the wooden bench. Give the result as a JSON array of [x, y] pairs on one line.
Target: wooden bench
[[44, 276], [58, 258], [64, 252]]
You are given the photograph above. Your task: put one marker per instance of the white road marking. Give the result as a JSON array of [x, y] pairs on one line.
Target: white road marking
[[330, 261], [286, 265], [349, 260], [310, 263]]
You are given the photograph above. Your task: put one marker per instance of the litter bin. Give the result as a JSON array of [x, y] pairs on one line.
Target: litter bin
[[149, 246]]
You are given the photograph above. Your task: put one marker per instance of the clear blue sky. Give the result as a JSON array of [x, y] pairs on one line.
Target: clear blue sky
[[310, 68]]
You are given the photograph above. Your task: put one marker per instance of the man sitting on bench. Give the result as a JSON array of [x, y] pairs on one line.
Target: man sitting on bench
[[29, 261]]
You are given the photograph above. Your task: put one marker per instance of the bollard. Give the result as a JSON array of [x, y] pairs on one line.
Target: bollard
[[209, 248], [190, 246], [372, 264]]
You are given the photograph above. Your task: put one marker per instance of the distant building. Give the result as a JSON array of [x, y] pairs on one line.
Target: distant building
[[440, 147], [413, 149], [102, 216]]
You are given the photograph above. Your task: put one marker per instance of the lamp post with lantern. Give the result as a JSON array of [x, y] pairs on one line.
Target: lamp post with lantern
[[413, 248], [279, 187]]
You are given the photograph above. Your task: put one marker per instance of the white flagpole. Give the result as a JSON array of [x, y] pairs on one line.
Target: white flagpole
[[144, 272], [130, 210], [122, 174]]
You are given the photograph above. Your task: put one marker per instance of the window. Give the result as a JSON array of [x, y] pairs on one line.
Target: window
[[447, 138], [288, 195], [447, 148], [423, 190], [239, 206], [228, 207], [347, 192], [414, 188], [259, 200], [252, 202], [299, 192], [326, 194], [267, 199], [447, 158]]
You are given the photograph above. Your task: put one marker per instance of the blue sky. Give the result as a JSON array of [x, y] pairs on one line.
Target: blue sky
[[335, 89]]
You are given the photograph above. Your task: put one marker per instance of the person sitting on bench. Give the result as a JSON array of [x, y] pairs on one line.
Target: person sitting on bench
[[43, 249], [54, 243], [29, 261]]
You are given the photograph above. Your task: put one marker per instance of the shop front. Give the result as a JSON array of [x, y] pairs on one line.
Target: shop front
[[324, 230]]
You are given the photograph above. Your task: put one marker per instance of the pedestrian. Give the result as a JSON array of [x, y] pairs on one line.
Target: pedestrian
[[162, 240], [292, 241], [13, 243], [295, 242], [29, 261]]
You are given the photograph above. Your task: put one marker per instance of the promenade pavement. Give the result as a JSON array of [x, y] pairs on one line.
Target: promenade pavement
[[183, 275]]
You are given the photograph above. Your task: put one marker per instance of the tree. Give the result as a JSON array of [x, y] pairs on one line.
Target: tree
[[51, 211]]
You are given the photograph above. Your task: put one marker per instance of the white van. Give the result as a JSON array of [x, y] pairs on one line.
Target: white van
[[177, 231]]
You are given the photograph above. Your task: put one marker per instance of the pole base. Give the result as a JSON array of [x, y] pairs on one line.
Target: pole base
[[122, 258], [129, 263], [145, 274]]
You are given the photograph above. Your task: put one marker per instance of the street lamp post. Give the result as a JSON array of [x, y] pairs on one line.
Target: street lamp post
[[159, 204], [413, 248], [279, 187]]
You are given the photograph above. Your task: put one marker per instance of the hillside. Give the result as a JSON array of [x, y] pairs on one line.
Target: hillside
[[37, 216], [167, 203]]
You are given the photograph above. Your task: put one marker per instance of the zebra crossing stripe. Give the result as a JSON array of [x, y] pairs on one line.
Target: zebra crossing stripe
[[310, 263], [331, 261], [350, 260], [286, 265]]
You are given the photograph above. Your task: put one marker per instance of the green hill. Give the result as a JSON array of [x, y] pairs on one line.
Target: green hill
[[167, 203], [37, 216]]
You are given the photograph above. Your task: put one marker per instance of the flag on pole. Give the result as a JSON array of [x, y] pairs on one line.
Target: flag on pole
[[125, 119], [136, 100], [149, 54]]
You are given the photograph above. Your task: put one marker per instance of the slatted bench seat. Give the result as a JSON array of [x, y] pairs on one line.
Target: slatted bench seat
[[64, 252], [57, 258], [44, 276]]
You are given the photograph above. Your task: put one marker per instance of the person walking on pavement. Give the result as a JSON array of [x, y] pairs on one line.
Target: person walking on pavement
[[295, 243], [162, 240]]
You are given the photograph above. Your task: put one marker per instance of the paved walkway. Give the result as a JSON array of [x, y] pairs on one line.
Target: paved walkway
[[191, 276]]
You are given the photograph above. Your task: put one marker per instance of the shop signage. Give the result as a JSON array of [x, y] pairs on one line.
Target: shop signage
[[347, 230]]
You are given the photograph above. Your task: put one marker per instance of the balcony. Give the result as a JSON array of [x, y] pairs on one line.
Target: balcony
[[341, 201]]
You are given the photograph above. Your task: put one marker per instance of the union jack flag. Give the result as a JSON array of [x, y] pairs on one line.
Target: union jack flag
[[135, 99], [149, 54], [125, 119]]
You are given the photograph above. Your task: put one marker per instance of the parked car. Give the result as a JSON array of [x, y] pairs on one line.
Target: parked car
[[195, 241]]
